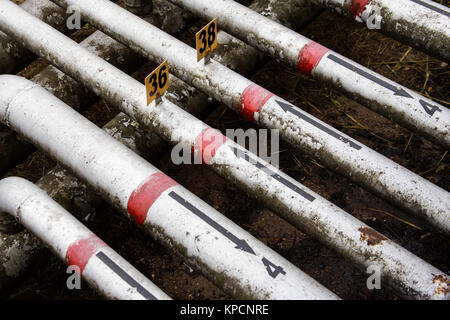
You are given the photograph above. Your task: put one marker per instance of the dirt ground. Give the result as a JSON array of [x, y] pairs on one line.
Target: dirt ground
[[388, 57]]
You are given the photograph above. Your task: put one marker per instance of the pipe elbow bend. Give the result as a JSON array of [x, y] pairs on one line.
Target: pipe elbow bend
[[10, 87], [14, 191]]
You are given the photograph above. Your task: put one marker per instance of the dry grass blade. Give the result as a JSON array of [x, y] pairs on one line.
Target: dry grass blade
[[435, 167], [397, 66], [106, 105], [396, 218], [409, 141], [427, 76], [364, 127]]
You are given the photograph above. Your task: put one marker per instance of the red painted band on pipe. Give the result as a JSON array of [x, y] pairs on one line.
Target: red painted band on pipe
[[146, 194], [253, 99], [357, 7], [80, 252], [207, 143], [310, 56]]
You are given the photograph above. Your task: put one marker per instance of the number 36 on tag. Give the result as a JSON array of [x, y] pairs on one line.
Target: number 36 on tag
[[206, 39], [157, 82]]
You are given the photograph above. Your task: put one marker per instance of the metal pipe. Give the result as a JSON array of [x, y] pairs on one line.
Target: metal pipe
[[295, 202], [225, 253], [333, 148], [382, 95], [423, 24], [103, 268], [14, 56]]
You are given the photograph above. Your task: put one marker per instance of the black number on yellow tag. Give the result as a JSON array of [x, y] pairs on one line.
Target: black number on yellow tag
[[206, 39], [157, 82]]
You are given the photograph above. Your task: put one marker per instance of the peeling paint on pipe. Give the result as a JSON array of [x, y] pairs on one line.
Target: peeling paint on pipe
[[225, 253], [14, 56], [296, 203], [384, 96], [103, 268], [333, 148], [423, 24]]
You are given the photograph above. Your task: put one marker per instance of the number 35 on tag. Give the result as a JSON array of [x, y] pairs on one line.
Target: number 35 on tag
[[157, 82], [206, 39]]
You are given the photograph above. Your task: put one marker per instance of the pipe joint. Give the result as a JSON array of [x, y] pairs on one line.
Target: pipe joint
[[12, 197], [10, 88]]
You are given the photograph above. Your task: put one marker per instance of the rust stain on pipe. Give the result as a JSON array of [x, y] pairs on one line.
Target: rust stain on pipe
[[443, 284], [371, 236]]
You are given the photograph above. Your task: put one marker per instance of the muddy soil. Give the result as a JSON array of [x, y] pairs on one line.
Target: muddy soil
[[407, 66]]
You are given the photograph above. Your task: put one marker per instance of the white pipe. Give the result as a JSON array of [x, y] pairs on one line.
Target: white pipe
[[384, 96], [103, 268], [422, 24], [227, 254], [333, 148], [293, 201]]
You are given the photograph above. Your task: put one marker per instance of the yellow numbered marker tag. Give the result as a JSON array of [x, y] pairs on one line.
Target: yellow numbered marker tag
[[206, 40], [157, 82]]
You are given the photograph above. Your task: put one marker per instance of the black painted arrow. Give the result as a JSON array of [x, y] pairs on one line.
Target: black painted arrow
[[240, 244], [294, 110], [397, 91], [244, 155], [431, 7], [125, 276], [429, 108]]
